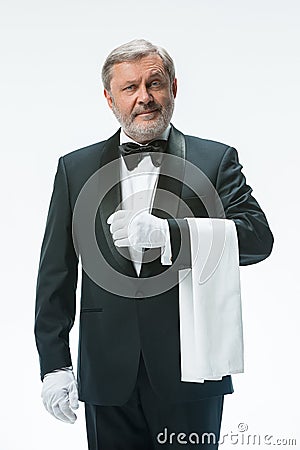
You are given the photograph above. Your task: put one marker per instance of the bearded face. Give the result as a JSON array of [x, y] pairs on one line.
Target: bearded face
[[141, 97]]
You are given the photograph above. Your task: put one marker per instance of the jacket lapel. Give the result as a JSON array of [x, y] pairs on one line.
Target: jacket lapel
[[111, 203], [170, 182], [171, 177]]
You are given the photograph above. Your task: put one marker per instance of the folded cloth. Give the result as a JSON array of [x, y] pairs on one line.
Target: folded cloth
[[211, 330]]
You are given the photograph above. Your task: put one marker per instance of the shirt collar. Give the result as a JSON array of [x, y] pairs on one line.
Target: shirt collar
[[164, 136]]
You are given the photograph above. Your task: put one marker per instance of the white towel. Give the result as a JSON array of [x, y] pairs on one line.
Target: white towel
[[211, 332]]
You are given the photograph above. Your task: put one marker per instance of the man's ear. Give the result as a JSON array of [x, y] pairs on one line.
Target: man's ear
[[108, 98], [174, 87]]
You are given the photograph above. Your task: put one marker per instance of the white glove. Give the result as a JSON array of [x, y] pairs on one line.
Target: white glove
[[138, 229], [60, 394]]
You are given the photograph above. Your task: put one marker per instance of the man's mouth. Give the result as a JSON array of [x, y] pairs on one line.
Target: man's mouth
[[145, 113]]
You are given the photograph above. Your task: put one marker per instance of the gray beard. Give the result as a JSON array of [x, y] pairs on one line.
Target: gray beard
[[145, 132]]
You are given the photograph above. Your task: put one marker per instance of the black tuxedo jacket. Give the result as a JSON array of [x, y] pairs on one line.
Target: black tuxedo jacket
[[116, 328]]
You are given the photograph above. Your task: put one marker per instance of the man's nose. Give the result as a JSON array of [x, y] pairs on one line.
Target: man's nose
[[144, 95]]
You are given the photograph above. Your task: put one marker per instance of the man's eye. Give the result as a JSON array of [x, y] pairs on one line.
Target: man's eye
[[129, 88], [155, 83]]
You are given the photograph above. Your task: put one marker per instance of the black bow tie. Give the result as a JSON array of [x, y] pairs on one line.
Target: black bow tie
[[133, 153]]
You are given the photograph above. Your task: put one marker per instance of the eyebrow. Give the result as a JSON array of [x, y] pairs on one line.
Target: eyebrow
[[153, 74], [156, 73], [129, 82]]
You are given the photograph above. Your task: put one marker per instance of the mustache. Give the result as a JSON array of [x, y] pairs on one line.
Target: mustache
[[145, 108]]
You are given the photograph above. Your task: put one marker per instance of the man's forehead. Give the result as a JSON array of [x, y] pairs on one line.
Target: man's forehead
[[149, 65]]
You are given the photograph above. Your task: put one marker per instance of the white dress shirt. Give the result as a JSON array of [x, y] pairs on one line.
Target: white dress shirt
[[138, 187]]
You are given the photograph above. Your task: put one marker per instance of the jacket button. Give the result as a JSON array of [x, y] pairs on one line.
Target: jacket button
[[139, 294]]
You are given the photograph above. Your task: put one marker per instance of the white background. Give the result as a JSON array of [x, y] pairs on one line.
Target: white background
[[238, 82]]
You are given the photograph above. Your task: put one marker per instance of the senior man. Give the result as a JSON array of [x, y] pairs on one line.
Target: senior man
[[132, 191]]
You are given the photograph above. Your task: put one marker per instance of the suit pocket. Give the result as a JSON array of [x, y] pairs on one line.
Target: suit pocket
[[91, 310]]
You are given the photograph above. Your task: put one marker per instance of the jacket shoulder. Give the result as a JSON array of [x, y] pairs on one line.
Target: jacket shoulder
[[81, 164], [84, 153], [207, 144], [199, 149]]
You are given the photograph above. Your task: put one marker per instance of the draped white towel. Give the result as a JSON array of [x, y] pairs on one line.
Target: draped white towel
[[211, 329]]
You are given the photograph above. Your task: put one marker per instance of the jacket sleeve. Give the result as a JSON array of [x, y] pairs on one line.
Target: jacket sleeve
[[254, 235], [57, 281]]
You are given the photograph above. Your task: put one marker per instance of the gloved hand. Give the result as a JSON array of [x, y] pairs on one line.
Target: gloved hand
[[138, 229], [60, 395]]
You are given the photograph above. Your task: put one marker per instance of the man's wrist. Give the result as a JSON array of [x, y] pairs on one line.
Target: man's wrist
[[67, 369], [180, 243], [166, 250]]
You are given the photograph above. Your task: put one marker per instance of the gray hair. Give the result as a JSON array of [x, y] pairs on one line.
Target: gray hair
[[135, 50]]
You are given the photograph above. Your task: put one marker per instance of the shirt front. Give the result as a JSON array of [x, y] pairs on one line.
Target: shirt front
[[138, 188]]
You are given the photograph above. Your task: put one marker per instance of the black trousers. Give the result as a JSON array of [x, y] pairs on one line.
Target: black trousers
[[146, 422]]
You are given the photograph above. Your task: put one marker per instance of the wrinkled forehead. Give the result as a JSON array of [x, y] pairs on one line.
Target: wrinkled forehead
[[147, 66]]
